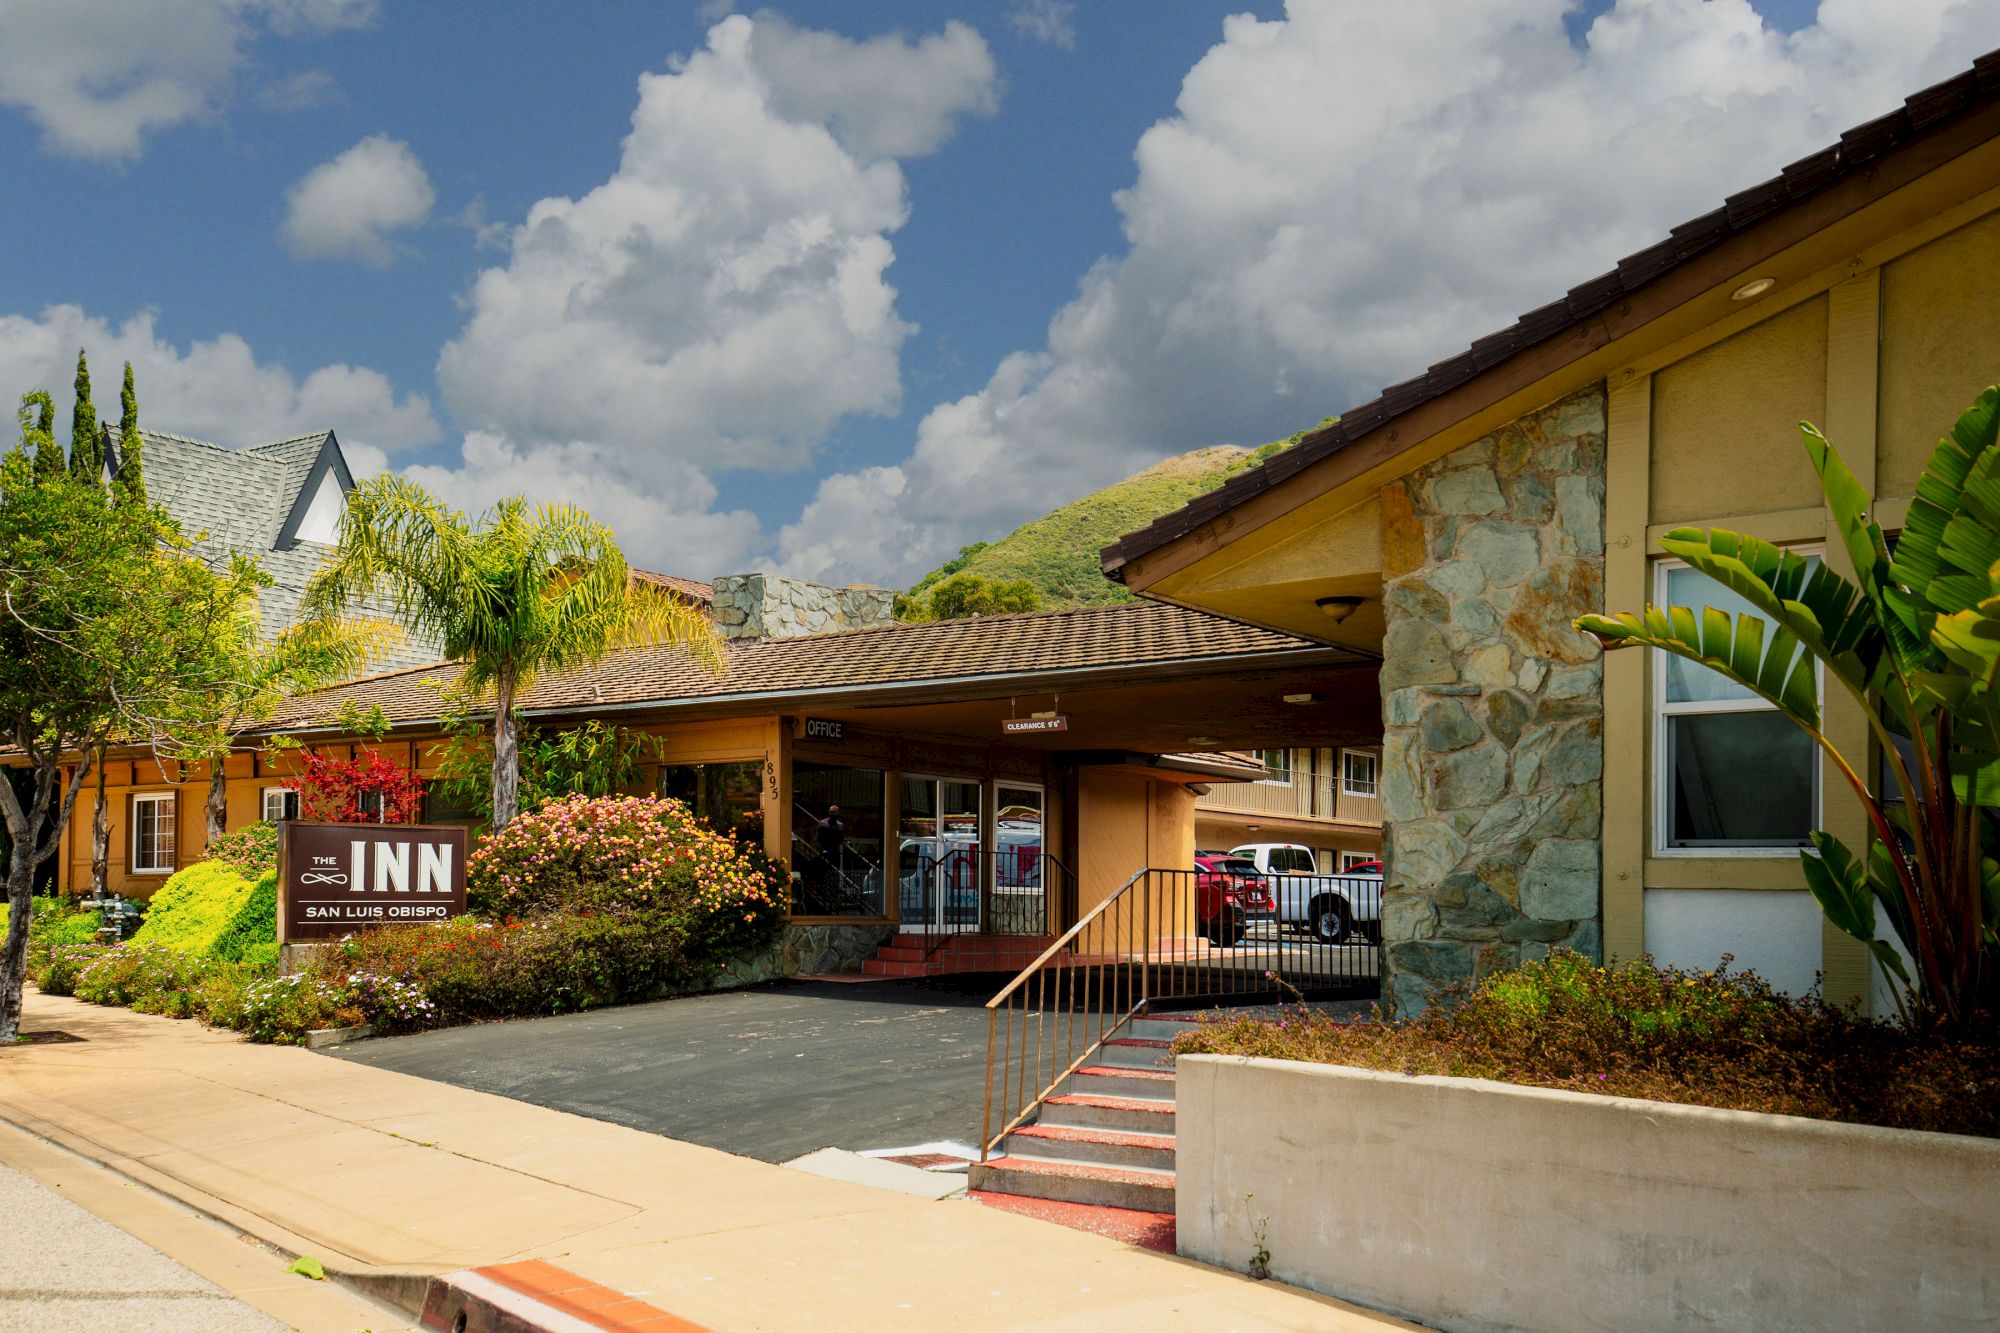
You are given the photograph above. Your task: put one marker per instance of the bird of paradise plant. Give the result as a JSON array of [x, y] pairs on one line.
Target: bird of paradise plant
[[1914, 639]]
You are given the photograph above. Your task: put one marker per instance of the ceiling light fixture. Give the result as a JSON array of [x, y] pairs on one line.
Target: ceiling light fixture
[[1339, 608], [1202, 740], [1302, 698], [1753, 289]]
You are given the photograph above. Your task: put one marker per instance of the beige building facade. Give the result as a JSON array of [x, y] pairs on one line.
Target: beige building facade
[[1536, 791]]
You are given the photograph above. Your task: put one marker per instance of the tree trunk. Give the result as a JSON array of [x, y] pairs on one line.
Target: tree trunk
[[218, 798], [100, 838], [506, 750], [14, 957]]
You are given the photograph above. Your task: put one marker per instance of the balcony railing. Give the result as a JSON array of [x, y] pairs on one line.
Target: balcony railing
[[1304, 798]]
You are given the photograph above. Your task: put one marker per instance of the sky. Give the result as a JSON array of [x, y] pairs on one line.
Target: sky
[[836, 288]]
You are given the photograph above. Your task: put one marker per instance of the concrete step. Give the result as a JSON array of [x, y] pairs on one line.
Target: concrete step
[[1088, 1111], [875, 967], [1098, 1147], [1114, 1081], [1137, 1053], [1159, 1027], [1075, 1182]]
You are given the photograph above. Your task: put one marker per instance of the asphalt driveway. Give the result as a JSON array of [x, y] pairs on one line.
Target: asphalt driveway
[[771, 1073]]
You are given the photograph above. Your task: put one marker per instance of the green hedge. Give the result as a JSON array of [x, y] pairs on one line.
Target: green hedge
[[52, 923], [211, 910]]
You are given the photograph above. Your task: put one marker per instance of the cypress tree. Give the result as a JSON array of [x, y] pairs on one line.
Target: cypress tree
[[131, 482], [38, 435], [86, 460]]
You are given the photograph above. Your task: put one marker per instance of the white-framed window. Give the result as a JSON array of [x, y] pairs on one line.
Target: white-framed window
[[153, 833], [280, 804], [1358, 773], [1732, 776], [373, 806], [1349, 860], [1279, 762]]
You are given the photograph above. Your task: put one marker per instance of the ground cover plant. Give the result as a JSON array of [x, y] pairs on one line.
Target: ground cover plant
[[1719, 1038], [213, 910], [54, 922]]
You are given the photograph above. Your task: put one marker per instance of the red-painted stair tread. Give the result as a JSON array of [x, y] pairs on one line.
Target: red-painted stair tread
[[1103, 1103], [1079, 1134], [1083, 1170], [1134, 1226], [1150, 1043], [1122, 1071]]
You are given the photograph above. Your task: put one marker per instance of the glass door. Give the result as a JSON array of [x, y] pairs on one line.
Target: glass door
[[1019, 901], [940, 836]]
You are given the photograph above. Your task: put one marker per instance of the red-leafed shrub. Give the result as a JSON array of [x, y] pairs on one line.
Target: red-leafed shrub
[[367, 790]]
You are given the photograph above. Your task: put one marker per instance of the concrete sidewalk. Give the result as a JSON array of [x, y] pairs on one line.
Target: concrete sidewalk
[[391, 1178]]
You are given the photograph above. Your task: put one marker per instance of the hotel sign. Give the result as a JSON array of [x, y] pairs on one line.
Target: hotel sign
[[1015, 726], [334, 879]]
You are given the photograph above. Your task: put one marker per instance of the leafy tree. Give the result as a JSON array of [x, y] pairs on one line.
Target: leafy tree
[[38, 436], [86, 457], [964, 595], [1915, 641], [249, 678], [104, 611], [131, 482], [515, 593]]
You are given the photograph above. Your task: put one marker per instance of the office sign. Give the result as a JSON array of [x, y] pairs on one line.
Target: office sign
[[825, 729], [334, 879], [1017, 726]]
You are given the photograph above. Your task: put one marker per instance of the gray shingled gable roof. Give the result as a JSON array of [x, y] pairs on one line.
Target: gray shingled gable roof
[[248, 501]]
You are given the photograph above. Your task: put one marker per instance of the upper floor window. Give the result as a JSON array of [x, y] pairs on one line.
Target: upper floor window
[[1732, 775], [1357, 773], [280, 804], [153, 833], [1279, 762]]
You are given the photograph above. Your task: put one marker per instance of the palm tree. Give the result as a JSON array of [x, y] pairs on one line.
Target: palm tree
[[516, 593]]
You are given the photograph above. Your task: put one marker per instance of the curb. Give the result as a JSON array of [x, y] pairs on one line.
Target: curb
[[320, 1037], [538, 1297]]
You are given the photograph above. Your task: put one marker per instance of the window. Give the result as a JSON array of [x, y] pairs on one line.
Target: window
[[280, 804], [1349, 860], [372, 807], [436, 807], [1357, 773], [729, 796], [153, 833], [1732, 775], [1280, 764], [1291, 861], [838, 819]]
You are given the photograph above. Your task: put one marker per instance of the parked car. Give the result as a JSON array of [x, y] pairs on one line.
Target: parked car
[[1229, 894], [1334, 908]]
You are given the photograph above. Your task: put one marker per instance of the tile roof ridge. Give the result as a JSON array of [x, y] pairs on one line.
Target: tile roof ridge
[[317, 436], [1051, 613]]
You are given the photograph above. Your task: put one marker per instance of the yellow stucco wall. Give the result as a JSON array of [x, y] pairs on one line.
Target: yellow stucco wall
[[1725, 420], [1940, 346]]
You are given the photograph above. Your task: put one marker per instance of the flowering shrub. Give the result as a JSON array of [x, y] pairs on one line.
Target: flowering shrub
[[53, 921], [211, 910], [390, 1004], [629, 857], [153, 978], [369, 790], [1716, 1038], [251, 851], [65, 963], [284, 1009]]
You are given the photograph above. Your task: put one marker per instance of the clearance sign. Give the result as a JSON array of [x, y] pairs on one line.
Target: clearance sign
[[334, 879]]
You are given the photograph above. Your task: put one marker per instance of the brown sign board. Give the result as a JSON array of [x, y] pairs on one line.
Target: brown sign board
[[825, 729], [1015, 726], [334, 879]]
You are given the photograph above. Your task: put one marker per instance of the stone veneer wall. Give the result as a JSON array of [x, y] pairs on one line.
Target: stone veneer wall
[[770, 606], [1493, 707], [813, 949]]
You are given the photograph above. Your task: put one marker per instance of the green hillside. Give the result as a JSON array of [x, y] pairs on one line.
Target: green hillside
[[1057, 554]]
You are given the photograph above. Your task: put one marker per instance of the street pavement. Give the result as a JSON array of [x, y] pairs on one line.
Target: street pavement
[[772, 1073], [64, 1269], [387, 1178]]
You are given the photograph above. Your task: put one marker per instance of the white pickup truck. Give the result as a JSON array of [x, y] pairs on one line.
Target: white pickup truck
[[1335, 908]]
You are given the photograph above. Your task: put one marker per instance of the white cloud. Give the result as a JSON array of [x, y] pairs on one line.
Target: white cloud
[[301, 91], [215, 390], [98, 75], [721, 301], [1049, 21], [883, 97], [345, 208], [1349, 193]]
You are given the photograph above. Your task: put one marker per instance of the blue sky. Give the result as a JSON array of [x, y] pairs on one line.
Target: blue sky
[[1329, 196]]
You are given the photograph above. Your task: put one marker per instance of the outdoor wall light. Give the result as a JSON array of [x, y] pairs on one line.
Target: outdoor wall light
[[1753, 289], [1203, 740], [1339, 608]]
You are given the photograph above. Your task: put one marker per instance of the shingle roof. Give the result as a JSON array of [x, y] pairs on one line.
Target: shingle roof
[[694, 589], [1103, 638], [1860, 147], [238, 500]]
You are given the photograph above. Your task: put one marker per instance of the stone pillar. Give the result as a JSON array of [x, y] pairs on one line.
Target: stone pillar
[[1493, 707]]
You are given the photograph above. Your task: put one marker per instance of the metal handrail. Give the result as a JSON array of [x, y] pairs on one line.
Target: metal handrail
[[1180, 936]]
